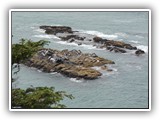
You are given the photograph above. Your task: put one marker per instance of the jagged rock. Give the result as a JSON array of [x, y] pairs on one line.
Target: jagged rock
[[139, 52], [69, 63]]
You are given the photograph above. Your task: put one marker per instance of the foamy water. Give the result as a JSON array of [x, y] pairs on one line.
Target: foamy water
[[47, 36], [100, 34], [143, 47]]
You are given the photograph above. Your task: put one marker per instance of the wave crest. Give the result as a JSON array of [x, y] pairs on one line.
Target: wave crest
[[47, 36], [143, 47], [100, 34]]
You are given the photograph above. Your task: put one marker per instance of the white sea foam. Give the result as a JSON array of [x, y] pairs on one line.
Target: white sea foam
[[97, 68], [114, 69], [47, 36], [142, 47], [88, 46], [40, 30], [53, 73], [100, 34], [100, 69], [121, 34], [56, 25], [134, 41], [66, 43], [39, 70], [75, 80]]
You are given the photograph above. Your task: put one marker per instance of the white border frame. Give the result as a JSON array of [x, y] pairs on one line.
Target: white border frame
[[79, 10]]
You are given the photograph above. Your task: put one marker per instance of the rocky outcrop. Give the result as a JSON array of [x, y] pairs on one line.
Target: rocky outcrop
[[139, 52], [77, 37], [72, 37], [56, 29], [72, 63], [115, 45], [99, 40]]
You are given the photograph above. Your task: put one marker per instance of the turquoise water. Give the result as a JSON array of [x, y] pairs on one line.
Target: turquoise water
[[125, 87]]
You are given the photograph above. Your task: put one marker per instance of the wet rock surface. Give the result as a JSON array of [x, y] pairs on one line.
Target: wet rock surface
[[66, 33], [72, 63], [139, 52]]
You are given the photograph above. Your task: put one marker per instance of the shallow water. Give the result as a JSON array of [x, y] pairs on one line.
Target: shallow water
[[125, 87]]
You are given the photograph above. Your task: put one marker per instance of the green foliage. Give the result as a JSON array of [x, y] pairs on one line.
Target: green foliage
[[25, 49], [38, 98], [33, 98]]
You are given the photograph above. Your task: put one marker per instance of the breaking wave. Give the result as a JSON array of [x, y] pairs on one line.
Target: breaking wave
[[88, 46], [100, 34], [40, 30], [75, 80], [67, 43], [143, 47], [47, 36], [134, 41]]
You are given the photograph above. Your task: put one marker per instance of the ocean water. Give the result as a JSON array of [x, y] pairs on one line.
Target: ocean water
[[125, 87]]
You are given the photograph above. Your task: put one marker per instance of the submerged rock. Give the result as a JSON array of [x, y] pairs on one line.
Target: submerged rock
[[72, 63]]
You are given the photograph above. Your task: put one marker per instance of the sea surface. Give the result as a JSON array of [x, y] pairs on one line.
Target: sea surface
[[125, 87]]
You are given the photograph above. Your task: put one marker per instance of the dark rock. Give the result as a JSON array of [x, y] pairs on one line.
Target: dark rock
[[139, 52], [128, 46], [72, 40], [44, 27], [97, 39], [76, 37], [59, 60], [94, 55], [109, 70], [56, 29], [108, 47], [119, 44], [116, 49]]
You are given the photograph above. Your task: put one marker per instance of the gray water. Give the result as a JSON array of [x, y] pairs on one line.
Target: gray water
[[125, 87]]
